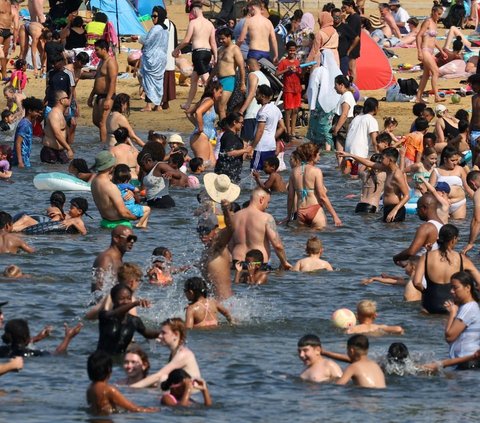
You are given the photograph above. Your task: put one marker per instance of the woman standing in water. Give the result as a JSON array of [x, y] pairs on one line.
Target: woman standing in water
[[173, 335], [118, 117], [426, 43]]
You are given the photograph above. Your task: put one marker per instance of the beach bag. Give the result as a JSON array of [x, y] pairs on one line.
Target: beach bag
[[408, 86], [394, 94]]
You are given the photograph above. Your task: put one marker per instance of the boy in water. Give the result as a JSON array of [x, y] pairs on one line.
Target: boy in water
[[318, 368], [102, 398], [251, 271], [274, 182], [366, 314], [313, 262], [363, 371]]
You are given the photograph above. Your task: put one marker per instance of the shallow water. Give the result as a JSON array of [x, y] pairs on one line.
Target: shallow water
[[252, 368]]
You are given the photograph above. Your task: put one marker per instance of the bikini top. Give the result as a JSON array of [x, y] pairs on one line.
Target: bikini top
[[430, 33], [303, 192], [212, 321], [452, 180]]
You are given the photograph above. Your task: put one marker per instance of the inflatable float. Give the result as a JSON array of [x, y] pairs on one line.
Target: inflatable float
[[411, 205], [57, 181], [49, 228]]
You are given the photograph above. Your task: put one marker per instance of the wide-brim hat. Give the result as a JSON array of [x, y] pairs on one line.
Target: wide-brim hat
[[394, 3], [175, 138], [220, 187], [376, 22], [103, 161]]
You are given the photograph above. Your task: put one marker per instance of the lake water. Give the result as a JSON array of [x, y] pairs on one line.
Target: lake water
[[251, 368]]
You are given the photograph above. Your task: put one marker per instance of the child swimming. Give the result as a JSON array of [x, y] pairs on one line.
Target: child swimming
[[275, 182], [252, 270], [202, 311], [366, 314], [313, 262]]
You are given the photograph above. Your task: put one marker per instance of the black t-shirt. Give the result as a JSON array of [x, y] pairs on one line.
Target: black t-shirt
[[345, 38], [52, 49], [227, 165], [355, 23], [58, 80], [117, 333]]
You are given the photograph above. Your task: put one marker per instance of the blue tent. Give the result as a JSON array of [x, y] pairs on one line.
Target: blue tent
[[145, 7], [128, 19]]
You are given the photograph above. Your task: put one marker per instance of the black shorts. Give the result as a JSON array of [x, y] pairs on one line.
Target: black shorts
[[400, 217], [5, 33], [165, 202], [52, 156], [365, 208], [201, 58]]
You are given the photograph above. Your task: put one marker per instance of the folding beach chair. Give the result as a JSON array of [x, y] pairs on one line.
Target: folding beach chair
[[288, 7]]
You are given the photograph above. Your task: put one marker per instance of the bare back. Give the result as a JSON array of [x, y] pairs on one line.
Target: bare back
[[201, 32], [106, 195], [259, 29], [126, 154]]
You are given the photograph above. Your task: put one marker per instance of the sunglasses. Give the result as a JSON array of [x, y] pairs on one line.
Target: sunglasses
[[129, 238], [154, 16]]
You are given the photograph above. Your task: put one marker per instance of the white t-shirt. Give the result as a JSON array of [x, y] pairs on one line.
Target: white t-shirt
[[401, 15], [469, 340], [346, 97], [358, 136], [254, 107], [271, 115]]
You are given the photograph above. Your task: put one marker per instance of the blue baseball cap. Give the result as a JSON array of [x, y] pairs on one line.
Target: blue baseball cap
[[443, 187]]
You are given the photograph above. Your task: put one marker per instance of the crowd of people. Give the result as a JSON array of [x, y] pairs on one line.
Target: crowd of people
[[237, 119]]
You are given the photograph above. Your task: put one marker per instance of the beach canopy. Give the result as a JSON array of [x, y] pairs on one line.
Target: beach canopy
[[128, 22], [373, 68], [145, 7]]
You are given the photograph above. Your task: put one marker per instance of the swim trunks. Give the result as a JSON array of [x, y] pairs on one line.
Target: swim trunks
[[365, 208], [52, 156], [228, 82], [474, 135], [258, 54], [306, 215], [201, 58], [112, 224], [259, 158], [5, 33], [400, 217]]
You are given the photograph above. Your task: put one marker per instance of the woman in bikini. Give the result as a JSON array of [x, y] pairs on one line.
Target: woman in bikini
[[454, 175], [437, 267], [426, 43], [306, 182], [201, 311], [203, 116], [173, 335]]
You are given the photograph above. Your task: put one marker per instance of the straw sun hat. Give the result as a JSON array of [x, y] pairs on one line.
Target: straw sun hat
[[219, 187]]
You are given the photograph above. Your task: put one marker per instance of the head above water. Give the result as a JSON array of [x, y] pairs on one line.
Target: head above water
[[359, 344], [16, 333], [467, 280], [177, 326], [175, 377], [99, 366], [198, 288], [309, 340]]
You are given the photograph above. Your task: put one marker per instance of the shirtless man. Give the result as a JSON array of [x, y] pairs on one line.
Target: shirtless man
[[216, 259], [229, 60], [427, 233], [364, 372], [124, 152], [108, 262], [473, 181], [318, 368], [254, 229], [6, 24], [107, 196], [10, 243], [261, 31], [396, 193], [55, 146], [201, 33], [103, 88]]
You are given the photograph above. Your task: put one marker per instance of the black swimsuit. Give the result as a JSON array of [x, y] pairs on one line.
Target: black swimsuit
[[436, 294], [450, 132]]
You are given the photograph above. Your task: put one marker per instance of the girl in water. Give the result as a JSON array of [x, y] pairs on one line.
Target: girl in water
[[426, 42], [173, 335], [201, 311], [373, 182], [181, 386], [136, 365], [79, 168], [424, 168]]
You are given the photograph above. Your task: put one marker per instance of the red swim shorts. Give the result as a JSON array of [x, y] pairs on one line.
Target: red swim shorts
[[292, 100]]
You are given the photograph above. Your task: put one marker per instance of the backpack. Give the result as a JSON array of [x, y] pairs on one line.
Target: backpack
[[408, 86]]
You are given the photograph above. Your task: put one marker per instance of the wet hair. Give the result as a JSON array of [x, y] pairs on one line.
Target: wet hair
[[309, 340], [367, 308], [342, 80], [370, 105], [151, 150], [19, 64], [195, 163], [177, 325], [80, 165], [198, 286], [308, 151], [391, 153], [120, 134], [314, 245], [135, 349], [32, 104], [121, 174], [272, 161], [117, 289], [16, 333], [127, 272], [359, 343], [160, 251], [5, 219], [398, 352], [457, 44], [421, 124], [256, 255], [446, 234], [466, 279], [390, 120], [418, 109], [447, 153], [225, 31], [174, 377], [58, 199], [291, 44], [99, 366], [210, 88], [265, 90], [12, 271], [176, 159], [428, 151], [82, 57], [462, 114], [119, 101]]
